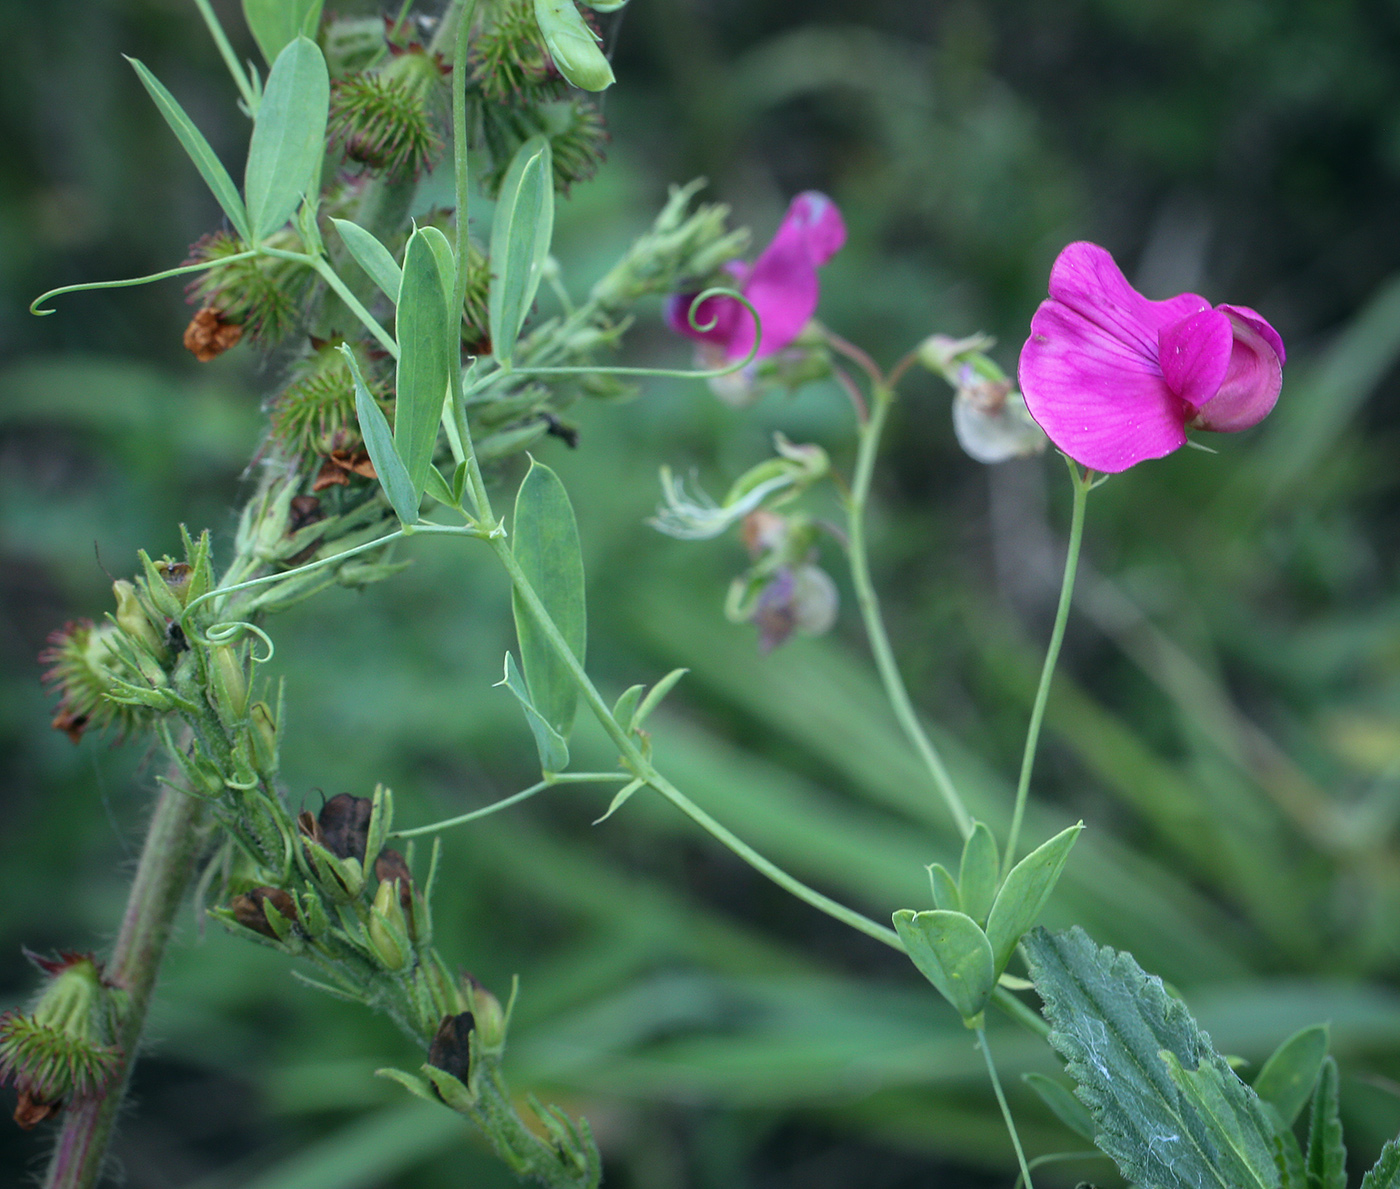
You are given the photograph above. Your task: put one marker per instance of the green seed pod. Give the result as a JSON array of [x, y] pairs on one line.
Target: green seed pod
[[264, 735], [573, 45], [490, 1018]]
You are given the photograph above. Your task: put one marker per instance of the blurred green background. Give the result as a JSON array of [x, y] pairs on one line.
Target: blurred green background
[[1226, 718]]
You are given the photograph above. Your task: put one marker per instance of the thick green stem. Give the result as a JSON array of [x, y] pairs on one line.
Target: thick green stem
[[167, 865], [1005, 1110], [640, 765], [1082, 484], [870, 611]]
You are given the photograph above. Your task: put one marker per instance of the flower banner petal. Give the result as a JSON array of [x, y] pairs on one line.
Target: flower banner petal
[[1194, 355]]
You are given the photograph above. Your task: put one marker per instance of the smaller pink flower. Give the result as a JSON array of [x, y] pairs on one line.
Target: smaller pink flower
[[781, 284], [1115, 379]]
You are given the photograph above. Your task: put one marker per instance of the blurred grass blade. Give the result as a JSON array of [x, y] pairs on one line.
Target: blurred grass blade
[[1287, 1079], [274, 23], [1064, 1105], [553, 749], [372, 256], [211, 169], [289, 137], [379, 441], [422, 332], [520, 238], [546, 545]]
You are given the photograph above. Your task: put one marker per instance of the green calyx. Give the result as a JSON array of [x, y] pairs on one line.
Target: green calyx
[[62, 1048]]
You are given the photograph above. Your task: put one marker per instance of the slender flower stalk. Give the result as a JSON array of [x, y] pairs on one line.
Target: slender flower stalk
[[1005, 1110], [1083, 484], [882, 398]]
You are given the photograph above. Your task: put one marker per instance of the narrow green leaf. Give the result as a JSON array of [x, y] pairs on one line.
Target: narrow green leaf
[[656, 694], [1327, 1153], [423, 359], [945, 888], [459, 483], [626, 705], [623, 795], [977, 876], [1064, 1105], [520, 238], [419, 1086], [546, 545], [438, 488], [554, 751], [1386, 1172], [289, 137], [273, 23], [1113, 1023], [1022, 897], [379, 442], [1287, 1079], [372, 256], [211, 169], [447, 263], [952, 952]]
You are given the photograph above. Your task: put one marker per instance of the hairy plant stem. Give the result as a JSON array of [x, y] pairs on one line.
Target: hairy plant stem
[[881, 399], [168, 858], [1083, 483]]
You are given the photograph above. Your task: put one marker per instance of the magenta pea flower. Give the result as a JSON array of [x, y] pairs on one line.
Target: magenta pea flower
[[1115, 379], [781, 284]]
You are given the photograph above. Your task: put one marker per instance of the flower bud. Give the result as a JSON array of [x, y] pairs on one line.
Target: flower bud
[[264, 736], [230, 683], [490, 1018], [132, 619], [63, 1047], [573, 45], [388, 931], [390, 865]]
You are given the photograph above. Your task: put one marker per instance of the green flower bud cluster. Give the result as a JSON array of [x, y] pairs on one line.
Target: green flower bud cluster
[[263, 295], [314, 414], [384, 119]]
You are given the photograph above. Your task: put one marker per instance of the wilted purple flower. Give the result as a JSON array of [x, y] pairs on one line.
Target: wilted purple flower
[[1115, 379], [781, 284]]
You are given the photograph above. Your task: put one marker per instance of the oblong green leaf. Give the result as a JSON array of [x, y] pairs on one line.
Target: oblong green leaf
[[1064, 1105], [423, 359], [520, 238], [553, 748], [977, 876], [1022, 897], [372, 256], [211, 169], [573, 45], [289, 136], [1327, 1154], [952, 952], [546, 544], [656, 694], [945, 888], [379, 442], [273, 23], [1287, 1079]]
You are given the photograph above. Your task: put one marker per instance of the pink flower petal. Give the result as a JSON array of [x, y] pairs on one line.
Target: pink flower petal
[[1252, 319], [1099, 398], [723, 312], [1194, 355], [1252, 382]]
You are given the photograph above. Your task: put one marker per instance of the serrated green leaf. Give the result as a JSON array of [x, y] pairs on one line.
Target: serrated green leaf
[[1064, 1105], [553, 749], [546, 544], [1244, 1134], [626, 705], [1385, 1174], [372, 256], [211, 169], [289, 137], [1022, 897], [1287, 1079], [1326, 1164], [977, 875], [379, 442], [520, 238], [952, 952], [1112, 1023], [424, 357], [273, 23], [945, 888], [1288, 1159], [656, 694]]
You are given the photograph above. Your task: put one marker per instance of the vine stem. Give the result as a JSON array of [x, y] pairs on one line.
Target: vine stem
[[1083, 484], [870, 430], [1005, 1110], [641, 766], [167, 864]]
